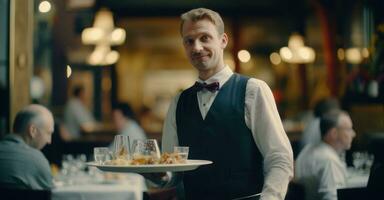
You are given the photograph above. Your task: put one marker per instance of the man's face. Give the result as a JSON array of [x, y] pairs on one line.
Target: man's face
[[118, 119], [204, 46], [345, 132]]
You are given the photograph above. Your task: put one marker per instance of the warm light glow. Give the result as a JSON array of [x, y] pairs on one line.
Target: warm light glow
[[244, 56], [69, 71], [275, 58], [295, 41], [104, 20], [285, 53], [353, 55], [306, 53], [37, 87], [341, 54], [117, 36], [92, 35], [111, 57], [97, 56], [103, 35], [44, 6], [297, 52], [365, 53]]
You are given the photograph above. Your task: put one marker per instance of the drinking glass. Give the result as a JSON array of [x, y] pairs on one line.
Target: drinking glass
[[182, 152], [145, 151], [121, 147], [101, 154]]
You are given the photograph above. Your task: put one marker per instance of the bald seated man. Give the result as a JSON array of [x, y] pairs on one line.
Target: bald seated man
[[22, 165]]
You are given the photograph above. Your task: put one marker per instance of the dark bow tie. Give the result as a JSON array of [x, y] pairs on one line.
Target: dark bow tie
[[215, 86]]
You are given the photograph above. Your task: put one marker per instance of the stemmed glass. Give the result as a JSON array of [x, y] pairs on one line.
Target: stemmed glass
[[145, 151], [121, 147]]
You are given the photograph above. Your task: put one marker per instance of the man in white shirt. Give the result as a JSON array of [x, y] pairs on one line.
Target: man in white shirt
[[77, 117], [319, 167], [227, 118], [125, 122], [311, 133]]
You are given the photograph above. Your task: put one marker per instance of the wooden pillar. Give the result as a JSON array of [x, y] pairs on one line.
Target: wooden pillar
[[20, 55], [327, 22], [304, 88]]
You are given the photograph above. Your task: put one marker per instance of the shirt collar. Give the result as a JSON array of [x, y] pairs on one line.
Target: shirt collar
[[222, 76], [14, 138], [330, 148]]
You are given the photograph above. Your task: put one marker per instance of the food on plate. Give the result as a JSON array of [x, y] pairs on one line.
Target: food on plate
[[118, 161], [166, 158], [171, 158]]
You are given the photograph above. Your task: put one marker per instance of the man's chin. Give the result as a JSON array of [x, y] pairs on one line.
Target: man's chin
[[201, 66]]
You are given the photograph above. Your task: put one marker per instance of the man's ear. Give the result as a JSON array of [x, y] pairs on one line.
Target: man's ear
[[32, 131], [224, 40], [333, 133]]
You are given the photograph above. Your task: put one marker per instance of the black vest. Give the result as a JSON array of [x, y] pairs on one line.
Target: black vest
[[223, 138]]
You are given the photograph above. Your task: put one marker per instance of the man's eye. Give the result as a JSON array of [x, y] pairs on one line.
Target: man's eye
[[204, 38], [188, 42]]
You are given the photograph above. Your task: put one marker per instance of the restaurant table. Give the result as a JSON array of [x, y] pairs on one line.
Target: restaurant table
[[357, 178], [131, 188]]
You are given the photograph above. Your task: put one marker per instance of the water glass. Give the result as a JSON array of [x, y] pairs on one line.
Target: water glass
[[101, 154], [182, 152], [121, 147], [146, 150]]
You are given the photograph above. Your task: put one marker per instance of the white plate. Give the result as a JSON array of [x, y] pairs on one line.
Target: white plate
[[190, 165]]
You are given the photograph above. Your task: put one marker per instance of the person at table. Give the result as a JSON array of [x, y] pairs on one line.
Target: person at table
[[126, 123], [227, 118], [77, 117], [319, 166], [311, 133], [22, 165]]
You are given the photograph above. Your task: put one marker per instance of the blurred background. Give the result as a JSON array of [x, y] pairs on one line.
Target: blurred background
[[131, 52]]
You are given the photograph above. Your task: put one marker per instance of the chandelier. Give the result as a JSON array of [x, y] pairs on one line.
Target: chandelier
[[103, 35], [297, 52]]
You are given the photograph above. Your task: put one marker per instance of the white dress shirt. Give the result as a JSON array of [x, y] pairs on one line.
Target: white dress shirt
[[321, 171], [76, 114], [311, 133], [133, 130], [262, 118]]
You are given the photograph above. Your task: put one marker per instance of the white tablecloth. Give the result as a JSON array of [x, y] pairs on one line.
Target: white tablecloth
[[130, 189], [357, 178]]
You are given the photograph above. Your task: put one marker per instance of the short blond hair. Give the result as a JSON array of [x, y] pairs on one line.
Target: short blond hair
[[200, 14]]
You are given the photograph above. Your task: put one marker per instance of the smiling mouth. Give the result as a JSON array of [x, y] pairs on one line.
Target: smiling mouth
[[200, 57]]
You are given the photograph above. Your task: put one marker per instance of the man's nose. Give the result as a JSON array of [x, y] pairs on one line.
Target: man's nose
[[197, 46]]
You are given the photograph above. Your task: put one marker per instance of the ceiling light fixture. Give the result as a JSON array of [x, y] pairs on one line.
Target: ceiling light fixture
[[297, 52], [103, 35]]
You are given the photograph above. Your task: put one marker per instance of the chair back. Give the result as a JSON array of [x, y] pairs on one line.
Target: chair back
[[352, 193], [24, 194]]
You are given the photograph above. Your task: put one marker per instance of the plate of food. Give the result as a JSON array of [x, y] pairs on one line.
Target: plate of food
[[127, 166]]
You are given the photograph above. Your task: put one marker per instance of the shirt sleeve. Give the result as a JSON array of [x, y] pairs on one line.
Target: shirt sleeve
[[169, 138], [262, 117]]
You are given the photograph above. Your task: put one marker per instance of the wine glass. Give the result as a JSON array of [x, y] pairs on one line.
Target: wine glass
[[121, 147], [145, 151]]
